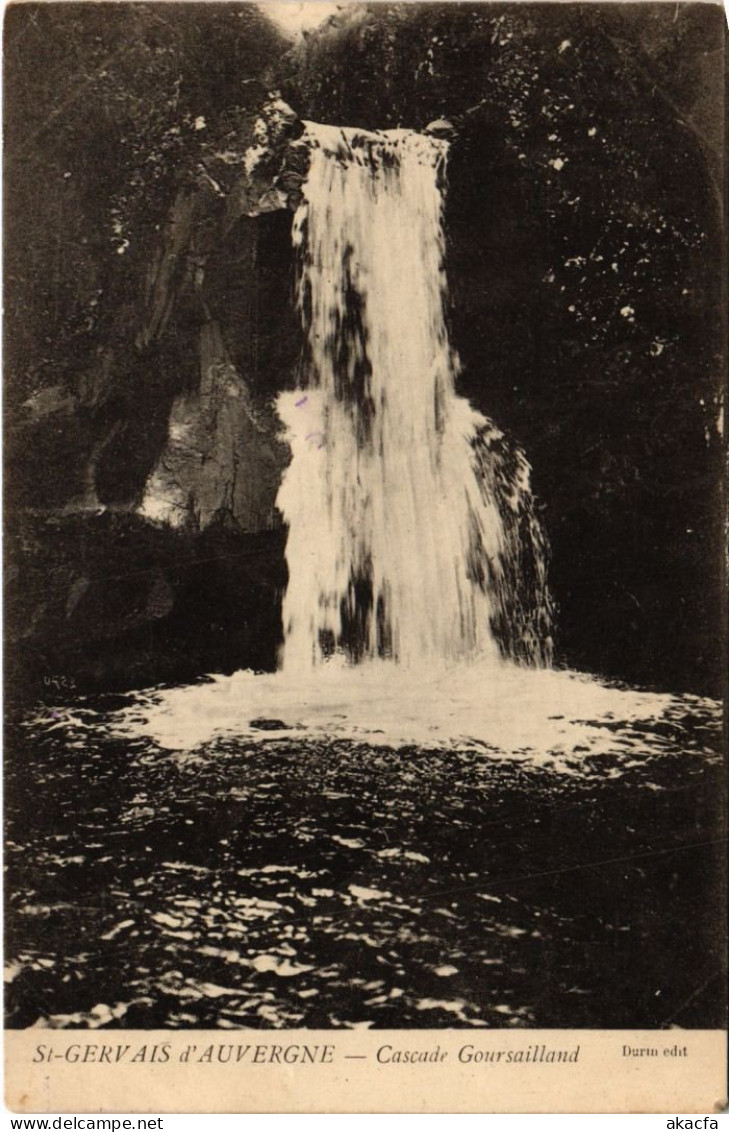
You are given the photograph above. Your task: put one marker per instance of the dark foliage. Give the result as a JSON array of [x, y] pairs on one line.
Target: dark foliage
[[109, 110]]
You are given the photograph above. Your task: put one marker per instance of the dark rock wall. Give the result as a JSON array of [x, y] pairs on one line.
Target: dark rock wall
[[125, 297]]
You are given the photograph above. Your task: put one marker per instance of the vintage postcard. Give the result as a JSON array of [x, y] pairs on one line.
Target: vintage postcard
[[365, 617]]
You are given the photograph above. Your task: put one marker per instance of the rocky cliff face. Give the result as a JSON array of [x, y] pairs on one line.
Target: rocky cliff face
[[150, 319], [125, 132], [126, 365]]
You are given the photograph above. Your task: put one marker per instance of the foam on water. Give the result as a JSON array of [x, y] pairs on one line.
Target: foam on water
[[544, 717]]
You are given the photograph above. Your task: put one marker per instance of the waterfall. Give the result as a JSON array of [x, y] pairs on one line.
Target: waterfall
[[412, 531]]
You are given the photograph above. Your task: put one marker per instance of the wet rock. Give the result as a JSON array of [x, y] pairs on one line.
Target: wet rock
[[441, 128], [110, 601], [257, 190], [221, 455]]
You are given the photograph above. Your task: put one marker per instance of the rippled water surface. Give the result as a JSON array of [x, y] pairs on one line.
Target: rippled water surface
[[297, 880]]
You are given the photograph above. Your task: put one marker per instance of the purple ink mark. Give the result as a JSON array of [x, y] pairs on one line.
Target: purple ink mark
[[300, 402]]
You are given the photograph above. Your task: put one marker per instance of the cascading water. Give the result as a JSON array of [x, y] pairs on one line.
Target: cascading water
[[413, 536], [412, 532]]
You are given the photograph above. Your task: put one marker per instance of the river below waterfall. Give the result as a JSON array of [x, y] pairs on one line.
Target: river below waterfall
[[281, 879]]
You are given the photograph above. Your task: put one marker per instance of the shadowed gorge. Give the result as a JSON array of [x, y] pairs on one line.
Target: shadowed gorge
[[364, 446]]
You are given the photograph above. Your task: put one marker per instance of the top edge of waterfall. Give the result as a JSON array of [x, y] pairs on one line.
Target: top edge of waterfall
[[341, 141]]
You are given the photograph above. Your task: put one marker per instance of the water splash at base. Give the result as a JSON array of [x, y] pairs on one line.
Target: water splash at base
[[558, 719]]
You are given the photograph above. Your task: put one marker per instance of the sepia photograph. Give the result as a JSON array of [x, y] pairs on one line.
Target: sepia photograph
[[365, 613]]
